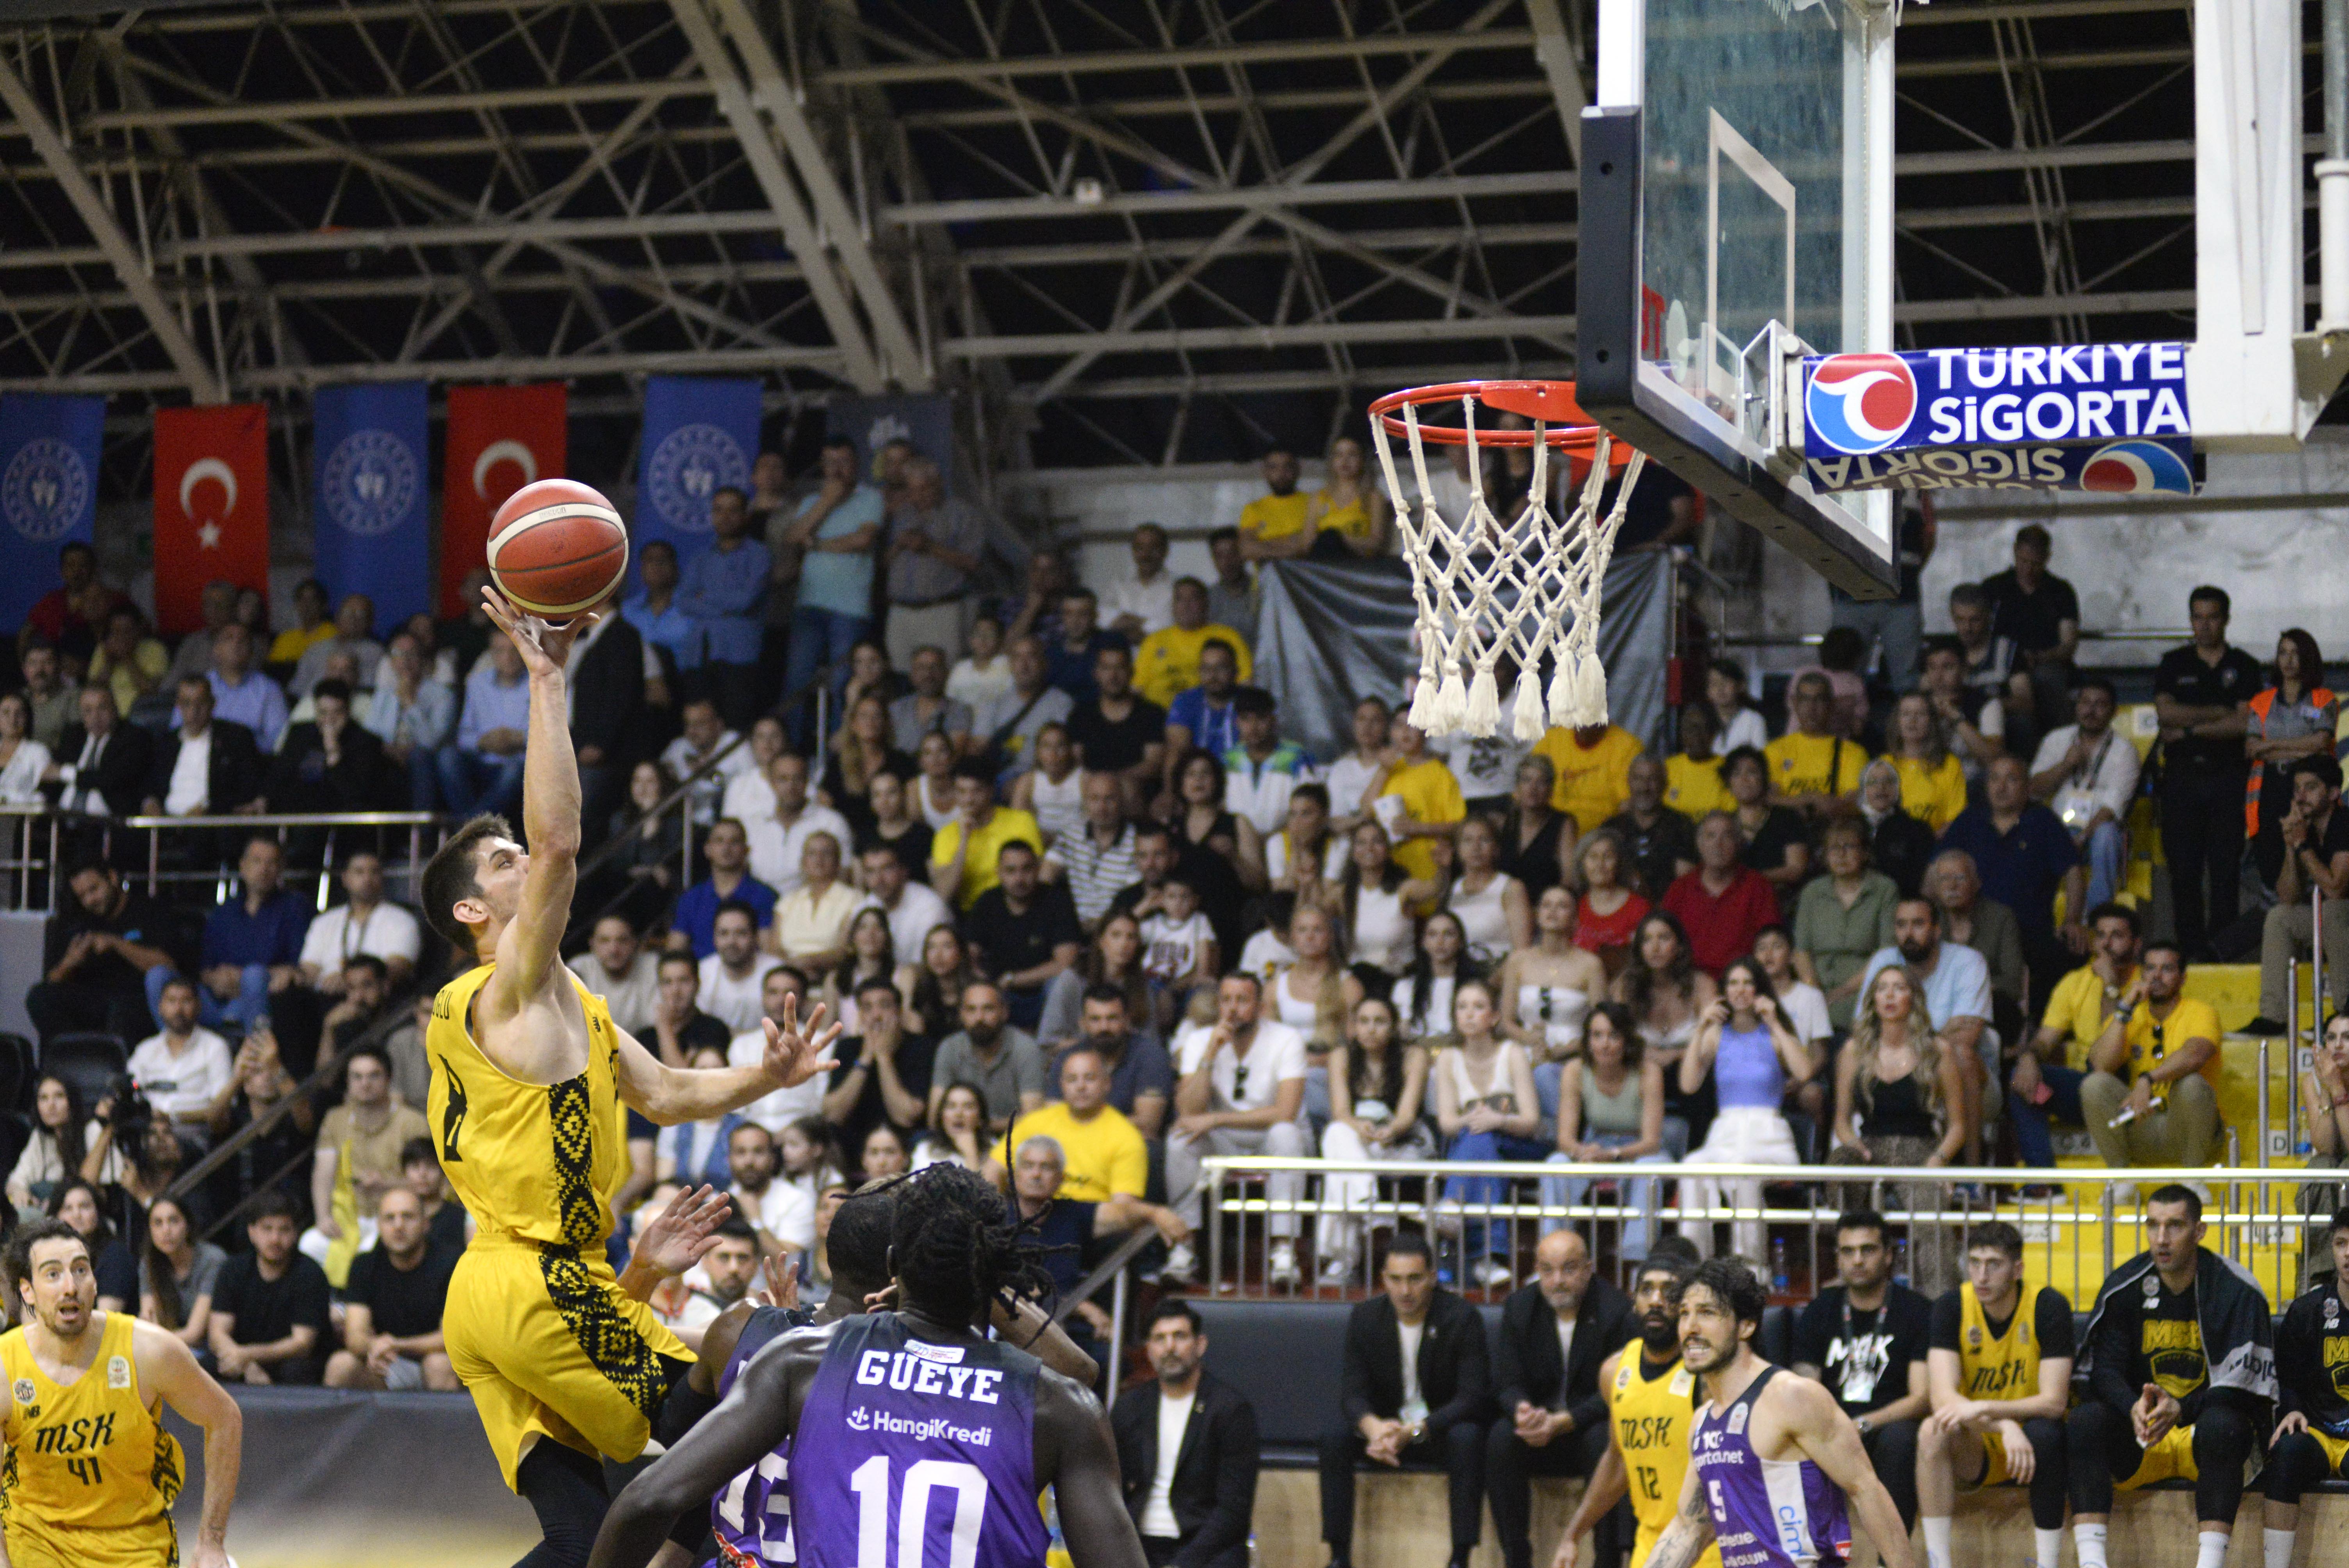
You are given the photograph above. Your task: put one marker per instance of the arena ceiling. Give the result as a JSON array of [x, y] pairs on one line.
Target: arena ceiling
[[1136, 230]]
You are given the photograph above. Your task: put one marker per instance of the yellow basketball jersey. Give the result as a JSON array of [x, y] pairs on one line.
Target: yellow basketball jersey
[[91, 1456], [1653, 1417], [536, 1161], [2003, 1366]]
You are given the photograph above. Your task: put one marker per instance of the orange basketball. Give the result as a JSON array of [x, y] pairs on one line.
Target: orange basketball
[[556, 548]]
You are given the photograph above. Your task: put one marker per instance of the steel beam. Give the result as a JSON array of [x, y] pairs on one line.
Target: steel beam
[[1097, 62], [901, 359], [1562, 68], [129, 266], [799, 230]]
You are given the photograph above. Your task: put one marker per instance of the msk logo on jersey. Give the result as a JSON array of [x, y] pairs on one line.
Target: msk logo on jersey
[[2136, 468], [1861, 403]]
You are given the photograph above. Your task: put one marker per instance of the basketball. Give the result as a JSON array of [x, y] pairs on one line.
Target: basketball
[[557, 547]]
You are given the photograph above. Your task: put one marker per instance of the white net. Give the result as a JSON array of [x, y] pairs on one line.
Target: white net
[[1526, 590]]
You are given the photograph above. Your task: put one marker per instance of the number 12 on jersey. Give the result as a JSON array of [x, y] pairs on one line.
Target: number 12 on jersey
[[870, 1482]]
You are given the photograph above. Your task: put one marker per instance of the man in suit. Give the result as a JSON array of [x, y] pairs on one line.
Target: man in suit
[[1186, 1446], [607, 670], [1553, 1334], [206, 766], [330, 763], [102, 762], [1416, 1389]]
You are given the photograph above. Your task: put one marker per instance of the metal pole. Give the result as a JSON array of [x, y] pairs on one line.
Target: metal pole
[[684, 841], [1117, 1337], [1211, 1181], [2333, 174], [2316, 960], [2263, 1104]]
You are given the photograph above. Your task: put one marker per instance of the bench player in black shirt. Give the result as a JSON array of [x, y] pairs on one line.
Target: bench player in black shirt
[[2312, 1438]]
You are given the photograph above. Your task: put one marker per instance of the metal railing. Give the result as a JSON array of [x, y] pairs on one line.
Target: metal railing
[[2076, 1230], [28, 859]]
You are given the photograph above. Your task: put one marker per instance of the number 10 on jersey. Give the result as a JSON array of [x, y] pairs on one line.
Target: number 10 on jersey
[[870, 1482]]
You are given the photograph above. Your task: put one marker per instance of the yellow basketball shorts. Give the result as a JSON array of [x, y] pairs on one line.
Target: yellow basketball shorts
[[2171, 1458], [2335, 1449], [549, 1345], [1992, 1449], [150, 1545]]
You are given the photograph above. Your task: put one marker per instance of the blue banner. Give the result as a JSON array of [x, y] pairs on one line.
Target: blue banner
[[371, 522], [924, 420], [2137, 466], [699, 436], [49, 490], [1857, 405]]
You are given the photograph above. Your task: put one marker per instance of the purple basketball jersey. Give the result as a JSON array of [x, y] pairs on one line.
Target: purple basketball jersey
[[1766, 1513], [751, 1518], [914, 1455]]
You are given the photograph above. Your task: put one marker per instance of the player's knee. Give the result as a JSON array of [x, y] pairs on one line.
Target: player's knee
[[2046, 1437], [1932, 1445], [2223, 1437], [1465, 1440], [1895, 1447]]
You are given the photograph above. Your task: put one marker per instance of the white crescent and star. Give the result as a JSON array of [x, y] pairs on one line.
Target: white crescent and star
[[506, 451], [208, 535]]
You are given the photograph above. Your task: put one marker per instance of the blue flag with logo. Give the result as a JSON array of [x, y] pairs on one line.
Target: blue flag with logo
[[49, 490], [699, 436], [372, 527]]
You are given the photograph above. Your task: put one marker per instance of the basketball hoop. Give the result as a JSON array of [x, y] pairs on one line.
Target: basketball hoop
[[1525, 588]]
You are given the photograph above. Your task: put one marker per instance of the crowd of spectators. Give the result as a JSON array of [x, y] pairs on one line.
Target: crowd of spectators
[[1092, 913]]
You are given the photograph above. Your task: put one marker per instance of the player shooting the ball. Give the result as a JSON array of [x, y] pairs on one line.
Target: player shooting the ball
[[529, 1076]]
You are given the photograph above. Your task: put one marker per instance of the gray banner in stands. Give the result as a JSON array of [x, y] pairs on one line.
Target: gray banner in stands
[[1330, 634], [361, 1480]]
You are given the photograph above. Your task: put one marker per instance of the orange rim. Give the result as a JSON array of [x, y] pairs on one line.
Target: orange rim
[[1565, 427]]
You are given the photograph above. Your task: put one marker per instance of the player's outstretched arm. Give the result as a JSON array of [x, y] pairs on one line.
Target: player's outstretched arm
[[167, 1366], [1829, 1440], [1690, 1530], [753, 1417], [795, 1052], [1083, 1461], [549, 796]]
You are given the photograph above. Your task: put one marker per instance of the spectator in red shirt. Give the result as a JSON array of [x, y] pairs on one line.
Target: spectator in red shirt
[[1724, 904], [73, 616]]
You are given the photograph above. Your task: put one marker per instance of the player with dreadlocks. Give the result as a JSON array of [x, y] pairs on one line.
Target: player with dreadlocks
[[959, 1257]]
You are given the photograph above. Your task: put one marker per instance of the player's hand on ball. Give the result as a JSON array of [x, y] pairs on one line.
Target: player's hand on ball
[[677, 1237], [796, 1052], [543, 646]]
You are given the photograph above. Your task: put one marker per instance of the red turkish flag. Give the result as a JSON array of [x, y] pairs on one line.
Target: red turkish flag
[[211, 506], [499, 440]]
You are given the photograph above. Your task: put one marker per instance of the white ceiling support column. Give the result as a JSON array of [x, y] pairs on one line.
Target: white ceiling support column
[[901, 356], [1555, 49], [863, 370], [34, 122]]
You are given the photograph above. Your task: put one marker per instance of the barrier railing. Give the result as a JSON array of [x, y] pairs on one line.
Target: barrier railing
[[2075, 1230], [34, 843]]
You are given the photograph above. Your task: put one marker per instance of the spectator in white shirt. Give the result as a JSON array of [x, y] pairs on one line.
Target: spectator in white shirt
[[782, 1214], [1349, 776], [184, 1068], [733, 976], [621, 969], [1262, 770], [748, 797], [2086, 772], [984, 673], [364, 923], [705, 737], [914, 908], [780, 988], [1143, 602], [777, 842], [1240, 1090]]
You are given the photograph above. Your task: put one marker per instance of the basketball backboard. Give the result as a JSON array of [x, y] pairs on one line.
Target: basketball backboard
[[1736, 188]]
